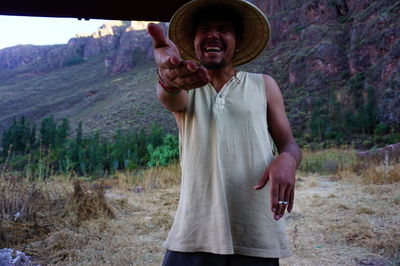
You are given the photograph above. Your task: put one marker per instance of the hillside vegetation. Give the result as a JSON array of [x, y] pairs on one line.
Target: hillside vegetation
[[85, 92], [337, 63], [38, 152]]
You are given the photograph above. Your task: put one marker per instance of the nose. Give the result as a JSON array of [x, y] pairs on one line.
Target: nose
[[212, 33]]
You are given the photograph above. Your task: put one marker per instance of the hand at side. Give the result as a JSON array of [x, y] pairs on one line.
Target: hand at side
[[281, 175]]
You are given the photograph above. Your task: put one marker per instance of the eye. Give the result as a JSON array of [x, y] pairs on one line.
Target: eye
[[202, 29], [226, 29]]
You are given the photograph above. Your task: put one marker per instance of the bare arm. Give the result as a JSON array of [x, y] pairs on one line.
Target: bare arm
[[282, 170], [173, 103], [278, 122], [176, 74]]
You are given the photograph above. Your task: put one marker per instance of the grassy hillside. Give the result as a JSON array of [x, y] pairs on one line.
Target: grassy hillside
[[336, 62], [85, 92]]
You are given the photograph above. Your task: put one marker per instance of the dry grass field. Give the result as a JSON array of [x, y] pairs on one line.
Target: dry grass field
[[349, 215]]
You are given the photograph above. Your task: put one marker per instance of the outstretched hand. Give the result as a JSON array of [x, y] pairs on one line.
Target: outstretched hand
[[173, 70], [281, 175]]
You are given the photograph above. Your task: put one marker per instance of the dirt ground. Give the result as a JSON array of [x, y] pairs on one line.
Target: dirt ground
[[344, 223], [334, 222]]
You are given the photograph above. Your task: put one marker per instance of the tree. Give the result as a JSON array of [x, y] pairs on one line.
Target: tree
[[48, 132], [62, 132], [18, 137]]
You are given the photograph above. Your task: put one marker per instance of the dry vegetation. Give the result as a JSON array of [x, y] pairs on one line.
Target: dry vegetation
[[349, 215]]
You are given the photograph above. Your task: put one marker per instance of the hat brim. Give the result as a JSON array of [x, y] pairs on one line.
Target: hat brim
[[256, 29]]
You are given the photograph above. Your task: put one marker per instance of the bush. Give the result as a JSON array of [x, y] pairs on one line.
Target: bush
[[54, 151], [74, 61], [165, 153]]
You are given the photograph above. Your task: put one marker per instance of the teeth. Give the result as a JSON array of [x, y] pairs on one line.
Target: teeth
[[213, 49]]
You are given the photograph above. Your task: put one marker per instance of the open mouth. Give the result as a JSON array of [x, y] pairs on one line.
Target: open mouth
[[213, 46], [212, 49]]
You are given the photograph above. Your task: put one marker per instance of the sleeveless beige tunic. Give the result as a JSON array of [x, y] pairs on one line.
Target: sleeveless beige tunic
[[225, 149]]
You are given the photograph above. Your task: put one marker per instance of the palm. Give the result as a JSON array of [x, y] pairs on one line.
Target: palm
[[176, 72], [164, 49]]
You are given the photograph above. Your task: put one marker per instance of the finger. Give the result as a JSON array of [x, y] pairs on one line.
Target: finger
[[284, 195], [174, 76], [187, 75], [263, 181], [166, 54], [176, 61], [169, 62], [180, 69], [157, 33], [191, 66], [191, 81], [281, 207], [203, 71], [291, 200], [274, 196], [195, 85], [185, 79], [200, 70]]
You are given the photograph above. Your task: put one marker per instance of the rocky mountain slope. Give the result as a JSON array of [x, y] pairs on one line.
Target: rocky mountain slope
[[116, 41], [336, 61], [105, 80], [341, 51]]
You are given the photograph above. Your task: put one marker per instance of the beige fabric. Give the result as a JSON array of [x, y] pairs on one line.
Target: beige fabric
[[225, 149]]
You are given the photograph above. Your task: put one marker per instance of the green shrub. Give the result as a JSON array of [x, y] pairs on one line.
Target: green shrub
[[167, 152], [53, 150], [74, 61]]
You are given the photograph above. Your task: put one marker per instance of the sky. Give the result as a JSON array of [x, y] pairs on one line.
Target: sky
[[16, 30]]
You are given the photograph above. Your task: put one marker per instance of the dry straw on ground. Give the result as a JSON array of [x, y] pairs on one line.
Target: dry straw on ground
[[87, 205], [27, 210], [339, 218], [31, 211], [344, 223]]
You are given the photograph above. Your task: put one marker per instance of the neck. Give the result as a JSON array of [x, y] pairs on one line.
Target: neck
[[220, 76]]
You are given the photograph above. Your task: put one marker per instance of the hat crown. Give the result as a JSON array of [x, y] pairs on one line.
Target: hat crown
[[256, 28]]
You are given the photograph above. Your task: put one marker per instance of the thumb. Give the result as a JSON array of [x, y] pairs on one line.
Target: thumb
[[157, 33], [263, 181]]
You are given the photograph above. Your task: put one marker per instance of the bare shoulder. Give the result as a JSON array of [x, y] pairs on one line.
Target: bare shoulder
[[271, 87], [268, 79]]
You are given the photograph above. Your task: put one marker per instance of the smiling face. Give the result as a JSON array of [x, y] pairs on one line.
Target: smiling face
[[215, 43]]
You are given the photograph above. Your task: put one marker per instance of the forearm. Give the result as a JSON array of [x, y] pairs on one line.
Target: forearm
[[173, 103]]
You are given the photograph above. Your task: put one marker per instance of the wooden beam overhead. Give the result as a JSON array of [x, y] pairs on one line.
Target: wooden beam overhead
[[146, 10]]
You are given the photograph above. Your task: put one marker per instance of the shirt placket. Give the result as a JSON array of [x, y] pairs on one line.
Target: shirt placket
[[219, 103]]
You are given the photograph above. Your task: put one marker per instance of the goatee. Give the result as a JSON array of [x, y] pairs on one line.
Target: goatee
[[214, 65]]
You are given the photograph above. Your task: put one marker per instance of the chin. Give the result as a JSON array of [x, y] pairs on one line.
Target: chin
[[214, 65]]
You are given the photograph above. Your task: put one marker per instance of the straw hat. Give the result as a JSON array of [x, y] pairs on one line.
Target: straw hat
[[256, 29]]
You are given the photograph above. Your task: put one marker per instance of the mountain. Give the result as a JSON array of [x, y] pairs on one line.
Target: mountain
[[106, 80], [336, 61], [333, 57]]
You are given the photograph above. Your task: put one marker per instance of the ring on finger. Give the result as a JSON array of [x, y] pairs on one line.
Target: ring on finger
[[283, 202]]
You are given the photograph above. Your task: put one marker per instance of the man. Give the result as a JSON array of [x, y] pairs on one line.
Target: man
[[225, 119]]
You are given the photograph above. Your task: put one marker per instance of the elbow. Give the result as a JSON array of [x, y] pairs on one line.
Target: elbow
[[174, 107]]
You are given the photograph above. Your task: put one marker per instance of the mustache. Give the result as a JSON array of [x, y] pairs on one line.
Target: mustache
[[213, 42]]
